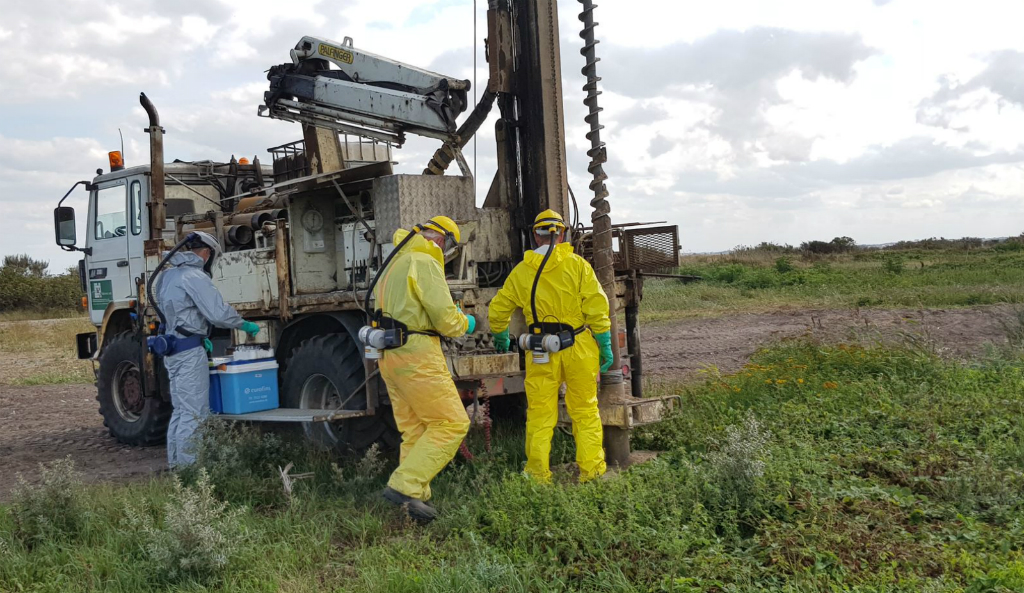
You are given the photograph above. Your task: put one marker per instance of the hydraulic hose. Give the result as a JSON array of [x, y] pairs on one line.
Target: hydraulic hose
[[536, 279], [149, 283]]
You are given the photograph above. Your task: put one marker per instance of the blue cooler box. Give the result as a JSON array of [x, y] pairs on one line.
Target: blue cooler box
[[245, 386]]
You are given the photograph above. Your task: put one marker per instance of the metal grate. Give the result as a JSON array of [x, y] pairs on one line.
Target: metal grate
[[649, 249], [289, 161]]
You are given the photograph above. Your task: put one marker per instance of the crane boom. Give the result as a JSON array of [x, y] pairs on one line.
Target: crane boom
[[363, 94]]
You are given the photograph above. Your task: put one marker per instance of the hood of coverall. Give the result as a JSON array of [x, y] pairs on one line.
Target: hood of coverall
[[186, 258], [562, 252], [419, 244]]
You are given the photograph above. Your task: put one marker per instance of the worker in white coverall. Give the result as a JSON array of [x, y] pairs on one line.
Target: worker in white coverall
[[191, 304]]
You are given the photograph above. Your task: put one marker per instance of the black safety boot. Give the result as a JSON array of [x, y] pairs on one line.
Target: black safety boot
[[420, 511]]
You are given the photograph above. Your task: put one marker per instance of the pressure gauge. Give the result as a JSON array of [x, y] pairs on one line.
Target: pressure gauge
[[312, 221]]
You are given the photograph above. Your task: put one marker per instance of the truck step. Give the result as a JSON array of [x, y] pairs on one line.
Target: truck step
[[295, 415]]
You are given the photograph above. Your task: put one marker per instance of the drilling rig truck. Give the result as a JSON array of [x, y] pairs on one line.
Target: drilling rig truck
[[305, 233]]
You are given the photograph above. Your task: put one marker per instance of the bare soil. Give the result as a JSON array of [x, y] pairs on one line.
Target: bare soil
[[48, 422], [44, 423], [679, 350]]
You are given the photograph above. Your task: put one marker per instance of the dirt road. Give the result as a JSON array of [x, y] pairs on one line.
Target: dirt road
[[45, 423], [678, 350]]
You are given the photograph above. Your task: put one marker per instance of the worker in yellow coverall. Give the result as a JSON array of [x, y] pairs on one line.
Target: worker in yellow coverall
[[567, 297], [427, 407]]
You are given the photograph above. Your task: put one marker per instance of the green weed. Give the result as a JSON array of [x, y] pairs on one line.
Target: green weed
[[53, 509], [763, 280], [886, 469]]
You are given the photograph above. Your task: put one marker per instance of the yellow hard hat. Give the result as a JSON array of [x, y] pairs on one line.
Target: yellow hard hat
[[448, 228], [547, 219]]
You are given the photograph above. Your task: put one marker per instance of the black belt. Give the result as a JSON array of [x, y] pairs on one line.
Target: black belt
[[384, 322], [555, 328]]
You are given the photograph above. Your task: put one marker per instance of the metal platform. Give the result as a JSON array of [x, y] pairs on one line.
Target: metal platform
[[294, 415]]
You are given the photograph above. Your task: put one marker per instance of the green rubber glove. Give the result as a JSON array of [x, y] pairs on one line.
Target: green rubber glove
[[604, 344], [501, 341], [208, 345], [250, 328], [471, 324]]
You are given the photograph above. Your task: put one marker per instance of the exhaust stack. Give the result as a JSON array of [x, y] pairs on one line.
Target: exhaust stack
[[157, 208]]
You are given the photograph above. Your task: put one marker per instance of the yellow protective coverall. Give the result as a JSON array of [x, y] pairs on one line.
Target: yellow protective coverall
[[569, 293], [427, 407]]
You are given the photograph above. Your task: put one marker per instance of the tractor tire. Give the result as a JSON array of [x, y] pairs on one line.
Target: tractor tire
[[130, 416], [319, 373]]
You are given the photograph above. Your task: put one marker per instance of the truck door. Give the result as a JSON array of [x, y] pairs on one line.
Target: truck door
[[107, 268], [138, 230]]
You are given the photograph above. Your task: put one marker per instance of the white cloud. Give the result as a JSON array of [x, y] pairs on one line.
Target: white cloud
[[741, 121]]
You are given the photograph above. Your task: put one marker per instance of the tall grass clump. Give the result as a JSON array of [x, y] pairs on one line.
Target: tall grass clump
[[197, 537], [53, 510], [736, 463], [240, 460], [1013, 326]]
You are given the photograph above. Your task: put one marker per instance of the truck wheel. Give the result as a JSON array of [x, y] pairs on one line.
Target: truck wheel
[[131, 417], [323, 370]]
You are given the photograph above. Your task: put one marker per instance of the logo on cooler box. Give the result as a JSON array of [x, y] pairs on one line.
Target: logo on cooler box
[[249, 390]]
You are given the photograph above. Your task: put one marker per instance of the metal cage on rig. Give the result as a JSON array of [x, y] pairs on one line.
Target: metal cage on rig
[[650, 249]]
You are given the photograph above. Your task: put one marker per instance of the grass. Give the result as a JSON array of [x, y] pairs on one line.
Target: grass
[[759, 281], [37, 314], [816, 468], [43, 352]]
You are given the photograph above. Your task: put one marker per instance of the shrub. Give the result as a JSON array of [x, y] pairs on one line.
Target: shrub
[[760, 279], [1013, 326], [366, 470], [737, 462], [784, 265], [198, 535], [836, 245], [892, 263], [25, 284], [239, 460], [54, 509]]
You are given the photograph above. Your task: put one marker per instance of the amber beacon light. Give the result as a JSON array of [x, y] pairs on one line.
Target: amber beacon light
[[116, 161]]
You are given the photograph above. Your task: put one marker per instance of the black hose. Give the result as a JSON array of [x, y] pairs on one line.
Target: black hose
[[536, 279], [387, 260], [149, 283]]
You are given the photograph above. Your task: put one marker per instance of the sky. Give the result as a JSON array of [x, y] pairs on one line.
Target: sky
[[741, 121]]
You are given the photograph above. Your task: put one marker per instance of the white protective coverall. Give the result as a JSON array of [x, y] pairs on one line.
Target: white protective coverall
[[190, 302]]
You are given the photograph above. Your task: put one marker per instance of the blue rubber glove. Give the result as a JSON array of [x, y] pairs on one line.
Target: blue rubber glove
[[501, 341], [250, 328], [471, 324], [604, 344], [208, 345]]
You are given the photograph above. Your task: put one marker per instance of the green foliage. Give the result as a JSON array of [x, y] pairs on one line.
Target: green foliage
[[748, 281], [239, 460], [836, 245], [25, 284], [814, 468], [52, 510], [198, 535], [893, 263], [24, 265], [784, 265], [1013, 325]]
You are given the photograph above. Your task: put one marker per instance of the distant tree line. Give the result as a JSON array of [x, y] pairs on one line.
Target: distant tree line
[[847, 244], [26, 284]]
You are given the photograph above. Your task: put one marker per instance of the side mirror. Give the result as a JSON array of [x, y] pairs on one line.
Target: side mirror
[[64, 226]]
